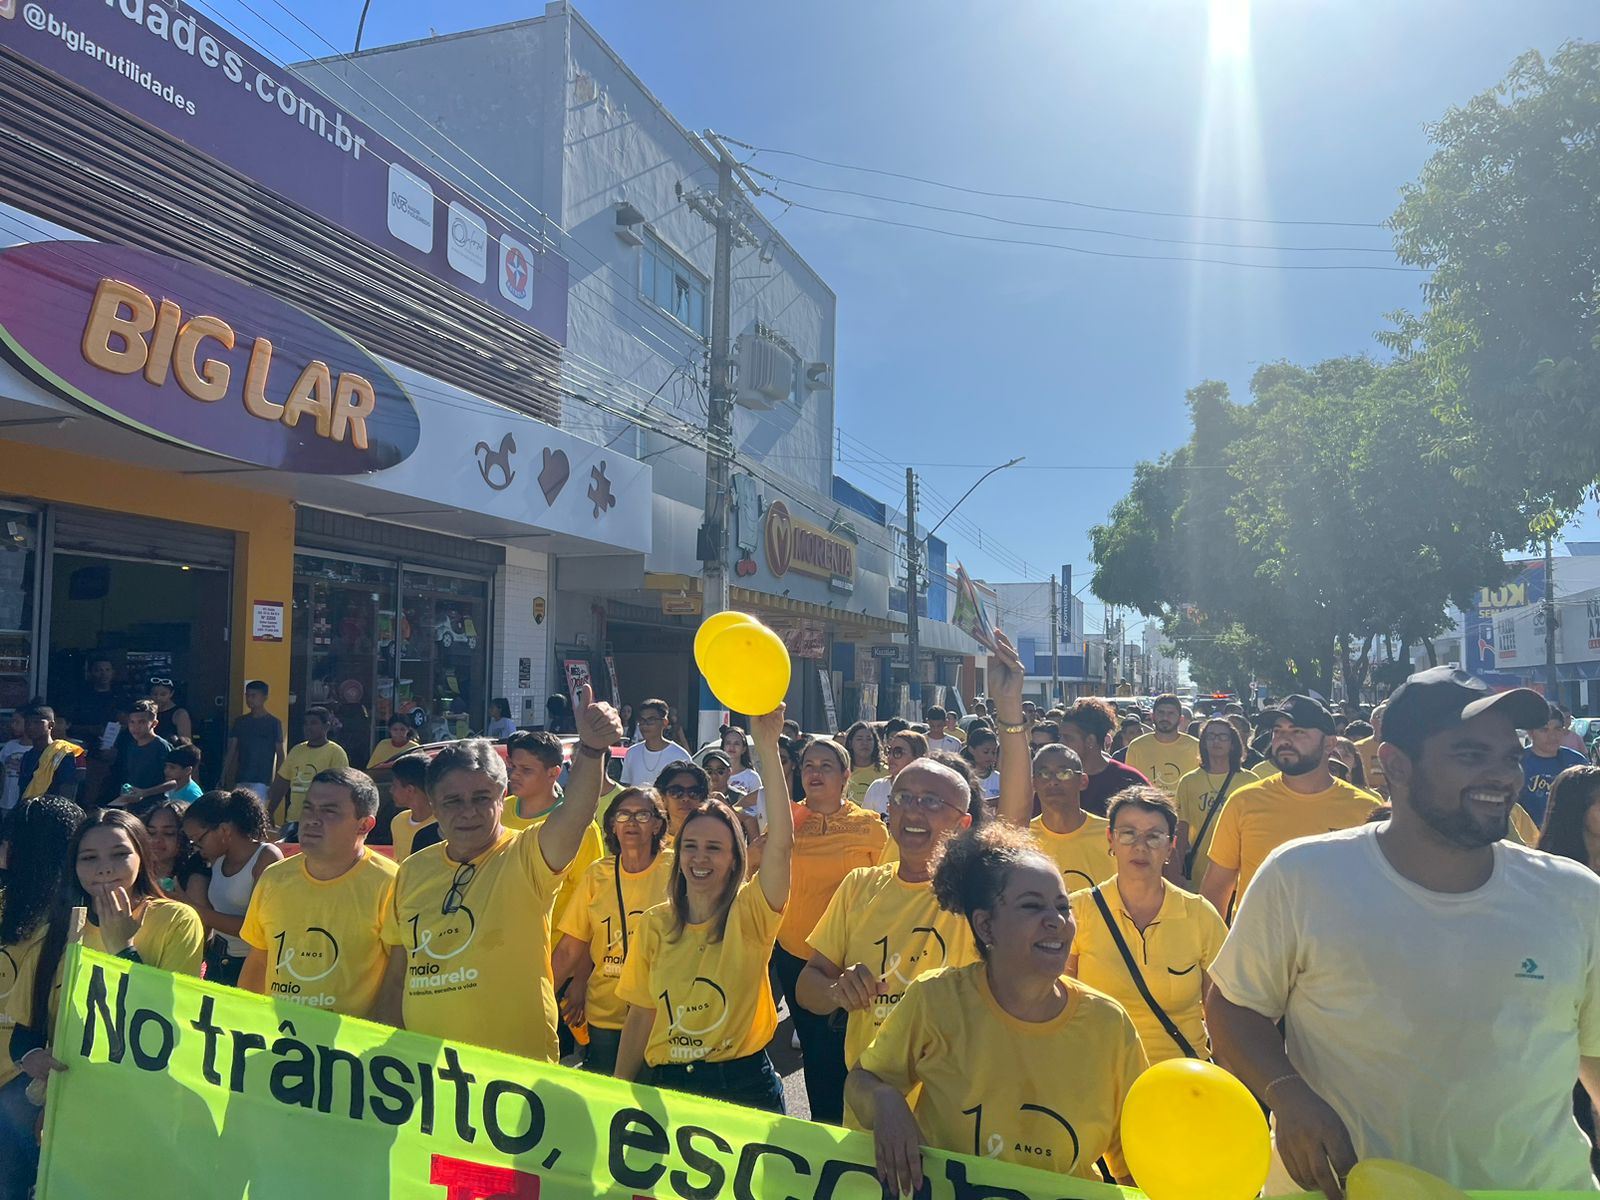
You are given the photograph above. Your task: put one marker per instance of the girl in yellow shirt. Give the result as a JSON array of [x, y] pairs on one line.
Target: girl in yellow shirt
[[1014, 1060], [600, 925], [700, 1010], [867, 763], [1173, 935]]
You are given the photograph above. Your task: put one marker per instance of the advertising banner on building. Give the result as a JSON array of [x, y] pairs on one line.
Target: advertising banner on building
[[173, 69], [1479, 621]]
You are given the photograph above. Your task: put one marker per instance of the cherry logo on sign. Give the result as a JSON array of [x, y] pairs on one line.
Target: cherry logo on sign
[[780, 539]]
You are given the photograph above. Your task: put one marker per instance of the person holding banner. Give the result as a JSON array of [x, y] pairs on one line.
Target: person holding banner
[[884, 927], [700, 1009], [1014, 1060], [315, 921], [35, 921], [1144, 941], [602, 921], [469, 926]]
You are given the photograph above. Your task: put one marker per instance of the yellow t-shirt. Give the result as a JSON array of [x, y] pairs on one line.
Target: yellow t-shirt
[[323, 937], [404, 832], [826, 849], [1197, 792], [861, 779], [480, 974], [1523, 831], [592, 917], [300, 767], [1083, 855], [1164, 763], [171, 937], [1259, 817], [1046, 1095], [712, 1000], [1367, 747], [387, 751], [590, 851], [898, 930], [1174, 952], [19, 965]]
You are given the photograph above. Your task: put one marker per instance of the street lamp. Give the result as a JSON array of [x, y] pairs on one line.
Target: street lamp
[[912, 638]]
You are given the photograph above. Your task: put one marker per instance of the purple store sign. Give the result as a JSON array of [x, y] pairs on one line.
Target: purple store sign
[[192, 357], [183, 75]]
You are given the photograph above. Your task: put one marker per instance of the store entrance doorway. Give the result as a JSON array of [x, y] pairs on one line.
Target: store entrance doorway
[[154, 620]]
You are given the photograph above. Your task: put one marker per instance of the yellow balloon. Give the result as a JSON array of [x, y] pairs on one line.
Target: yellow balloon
[[1191, 1131], [713, 625], [747, 668], [1385, 1179]]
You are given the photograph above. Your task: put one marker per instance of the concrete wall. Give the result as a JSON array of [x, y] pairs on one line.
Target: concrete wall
[[524, 578]]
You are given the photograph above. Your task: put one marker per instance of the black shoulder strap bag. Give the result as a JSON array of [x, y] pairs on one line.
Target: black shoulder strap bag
[[1211, 814], [1173, 1031], [622, 909]]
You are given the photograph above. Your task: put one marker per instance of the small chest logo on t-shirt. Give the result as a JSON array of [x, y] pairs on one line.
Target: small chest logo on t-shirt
[[1530, 970]]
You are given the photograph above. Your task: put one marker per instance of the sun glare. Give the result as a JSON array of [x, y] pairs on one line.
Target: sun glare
[[1229, 22]]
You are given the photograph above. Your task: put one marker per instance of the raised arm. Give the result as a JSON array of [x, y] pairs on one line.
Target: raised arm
[[778, 850], [1016, 760], [563, 831]]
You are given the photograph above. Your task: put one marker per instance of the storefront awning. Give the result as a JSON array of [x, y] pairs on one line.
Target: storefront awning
[[940, 637], [847, 621]]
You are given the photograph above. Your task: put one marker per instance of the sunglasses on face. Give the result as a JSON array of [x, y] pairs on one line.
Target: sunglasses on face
[[679, 792], [1059, 774], [640, 817], [1151, 841], [456, 896], [166, 683], [899, 752]]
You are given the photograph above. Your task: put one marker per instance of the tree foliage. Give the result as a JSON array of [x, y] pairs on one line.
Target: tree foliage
[[1506, 213], [1290, 533]]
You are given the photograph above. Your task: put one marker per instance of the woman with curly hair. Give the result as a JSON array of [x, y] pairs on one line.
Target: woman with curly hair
[[867, 761], [35, 925], [1007, 1057]]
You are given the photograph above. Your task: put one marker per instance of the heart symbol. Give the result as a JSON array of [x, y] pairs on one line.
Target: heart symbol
[[553, 477]]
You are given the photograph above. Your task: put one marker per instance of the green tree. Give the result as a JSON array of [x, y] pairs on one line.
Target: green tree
[[1504, 213]]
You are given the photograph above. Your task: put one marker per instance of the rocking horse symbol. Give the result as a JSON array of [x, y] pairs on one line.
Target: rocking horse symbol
[[497, 462]]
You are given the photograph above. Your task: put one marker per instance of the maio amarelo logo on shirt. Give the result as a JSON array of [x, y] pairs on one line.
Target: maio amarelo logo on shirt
[[438, 940], [694, 1018], [304, 961]]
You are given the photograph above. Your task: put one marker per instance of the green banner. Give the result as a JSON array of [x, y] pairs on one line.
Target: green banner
[[176, 1087], [179, 1088]]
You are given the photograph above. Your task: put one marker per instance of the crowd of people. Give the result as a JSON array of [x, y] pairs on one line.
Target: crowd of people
[[982, 931]]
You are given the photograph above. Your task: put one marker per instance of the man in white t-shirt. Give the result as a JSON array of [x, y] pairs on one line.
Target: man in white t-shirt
[[938, 739], [644, 760], [1439, 984]]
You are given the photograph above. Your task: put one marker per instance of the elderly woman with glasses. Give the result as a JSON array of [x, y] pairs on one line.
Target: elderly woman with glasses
[[1141, 938], [598, 928], [903, 749], [884, 927]]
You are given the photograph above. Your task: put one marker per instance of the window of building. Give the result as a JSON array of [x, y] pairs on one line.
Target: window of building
[[672, 285]]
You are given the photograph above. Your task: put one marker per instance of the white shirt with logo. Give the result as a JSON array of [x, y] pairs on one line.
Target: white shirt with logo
[[1444, 1029]]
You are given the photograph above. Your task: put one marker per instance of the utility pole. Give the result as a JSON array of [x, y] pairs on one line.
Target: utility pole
[[722, 212], [1551, 686], [912, 636], [1109, 654], [1055, 646]]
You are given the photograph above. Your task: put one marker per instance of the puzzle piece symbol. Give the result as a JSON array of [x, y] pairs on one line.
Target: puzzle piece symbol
[[600, 491]]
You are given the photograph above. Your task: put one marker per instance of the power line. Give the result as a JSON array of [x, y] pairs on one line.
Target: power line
[[1084, 250], [1114, 233], [971, 191]]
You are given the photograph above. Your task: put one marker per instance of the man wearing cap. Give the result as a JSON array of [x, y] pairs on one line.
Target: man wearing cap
[[1303, 799], [1440, 985]]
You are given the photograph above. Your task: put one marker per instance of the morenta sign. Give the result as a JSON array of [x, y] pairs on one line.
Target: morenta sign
[[801, 547], [184, 354]]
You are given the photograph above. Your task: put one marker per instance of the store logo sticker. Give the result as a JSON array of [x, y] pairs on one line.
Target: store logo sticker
[[516, 272], [8, 9], [469, 243], [410, 209]]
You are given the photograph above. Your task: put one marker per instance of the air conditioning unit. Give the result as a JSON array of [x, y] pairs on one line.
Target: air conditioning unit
[[766, 373]]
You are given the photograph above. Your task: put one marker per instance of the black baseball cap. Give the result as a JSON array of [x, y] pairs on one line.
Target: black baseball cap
[[1301, 711], [1439, 698]]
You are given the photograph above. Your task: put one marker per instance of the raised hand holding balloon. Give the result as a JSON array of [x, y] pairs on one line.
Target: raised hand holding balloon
[[745, 664]]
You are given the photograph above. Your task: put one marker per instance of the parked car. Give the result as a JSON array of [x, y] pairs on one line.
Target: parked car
[[1588, 728]]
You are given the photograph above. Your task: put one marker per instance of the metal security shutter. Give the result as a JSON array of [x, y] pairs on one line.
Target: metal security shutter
[[92, 531]]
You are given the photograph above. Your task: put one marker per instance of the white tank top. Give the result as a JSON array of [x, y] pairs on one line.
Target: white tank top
[[230, 896]]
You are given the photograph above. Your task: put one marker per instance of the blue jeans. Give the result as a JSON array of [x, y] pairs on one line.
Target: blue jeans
[[749, 1081], [19, 1148], [600, 1057]]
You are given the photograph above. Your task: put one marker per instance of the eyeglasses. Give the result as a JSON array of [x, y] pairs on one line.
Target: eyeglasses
[[1151, 841], [1059, 775], [637, 817], [925, 803], [898, 752], [716, 768], [456, 896], [679, 792], [166, 683]]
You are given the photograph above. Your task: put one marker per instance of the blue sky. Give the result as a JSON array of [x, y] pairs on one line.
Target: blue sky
[[963, 354]]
